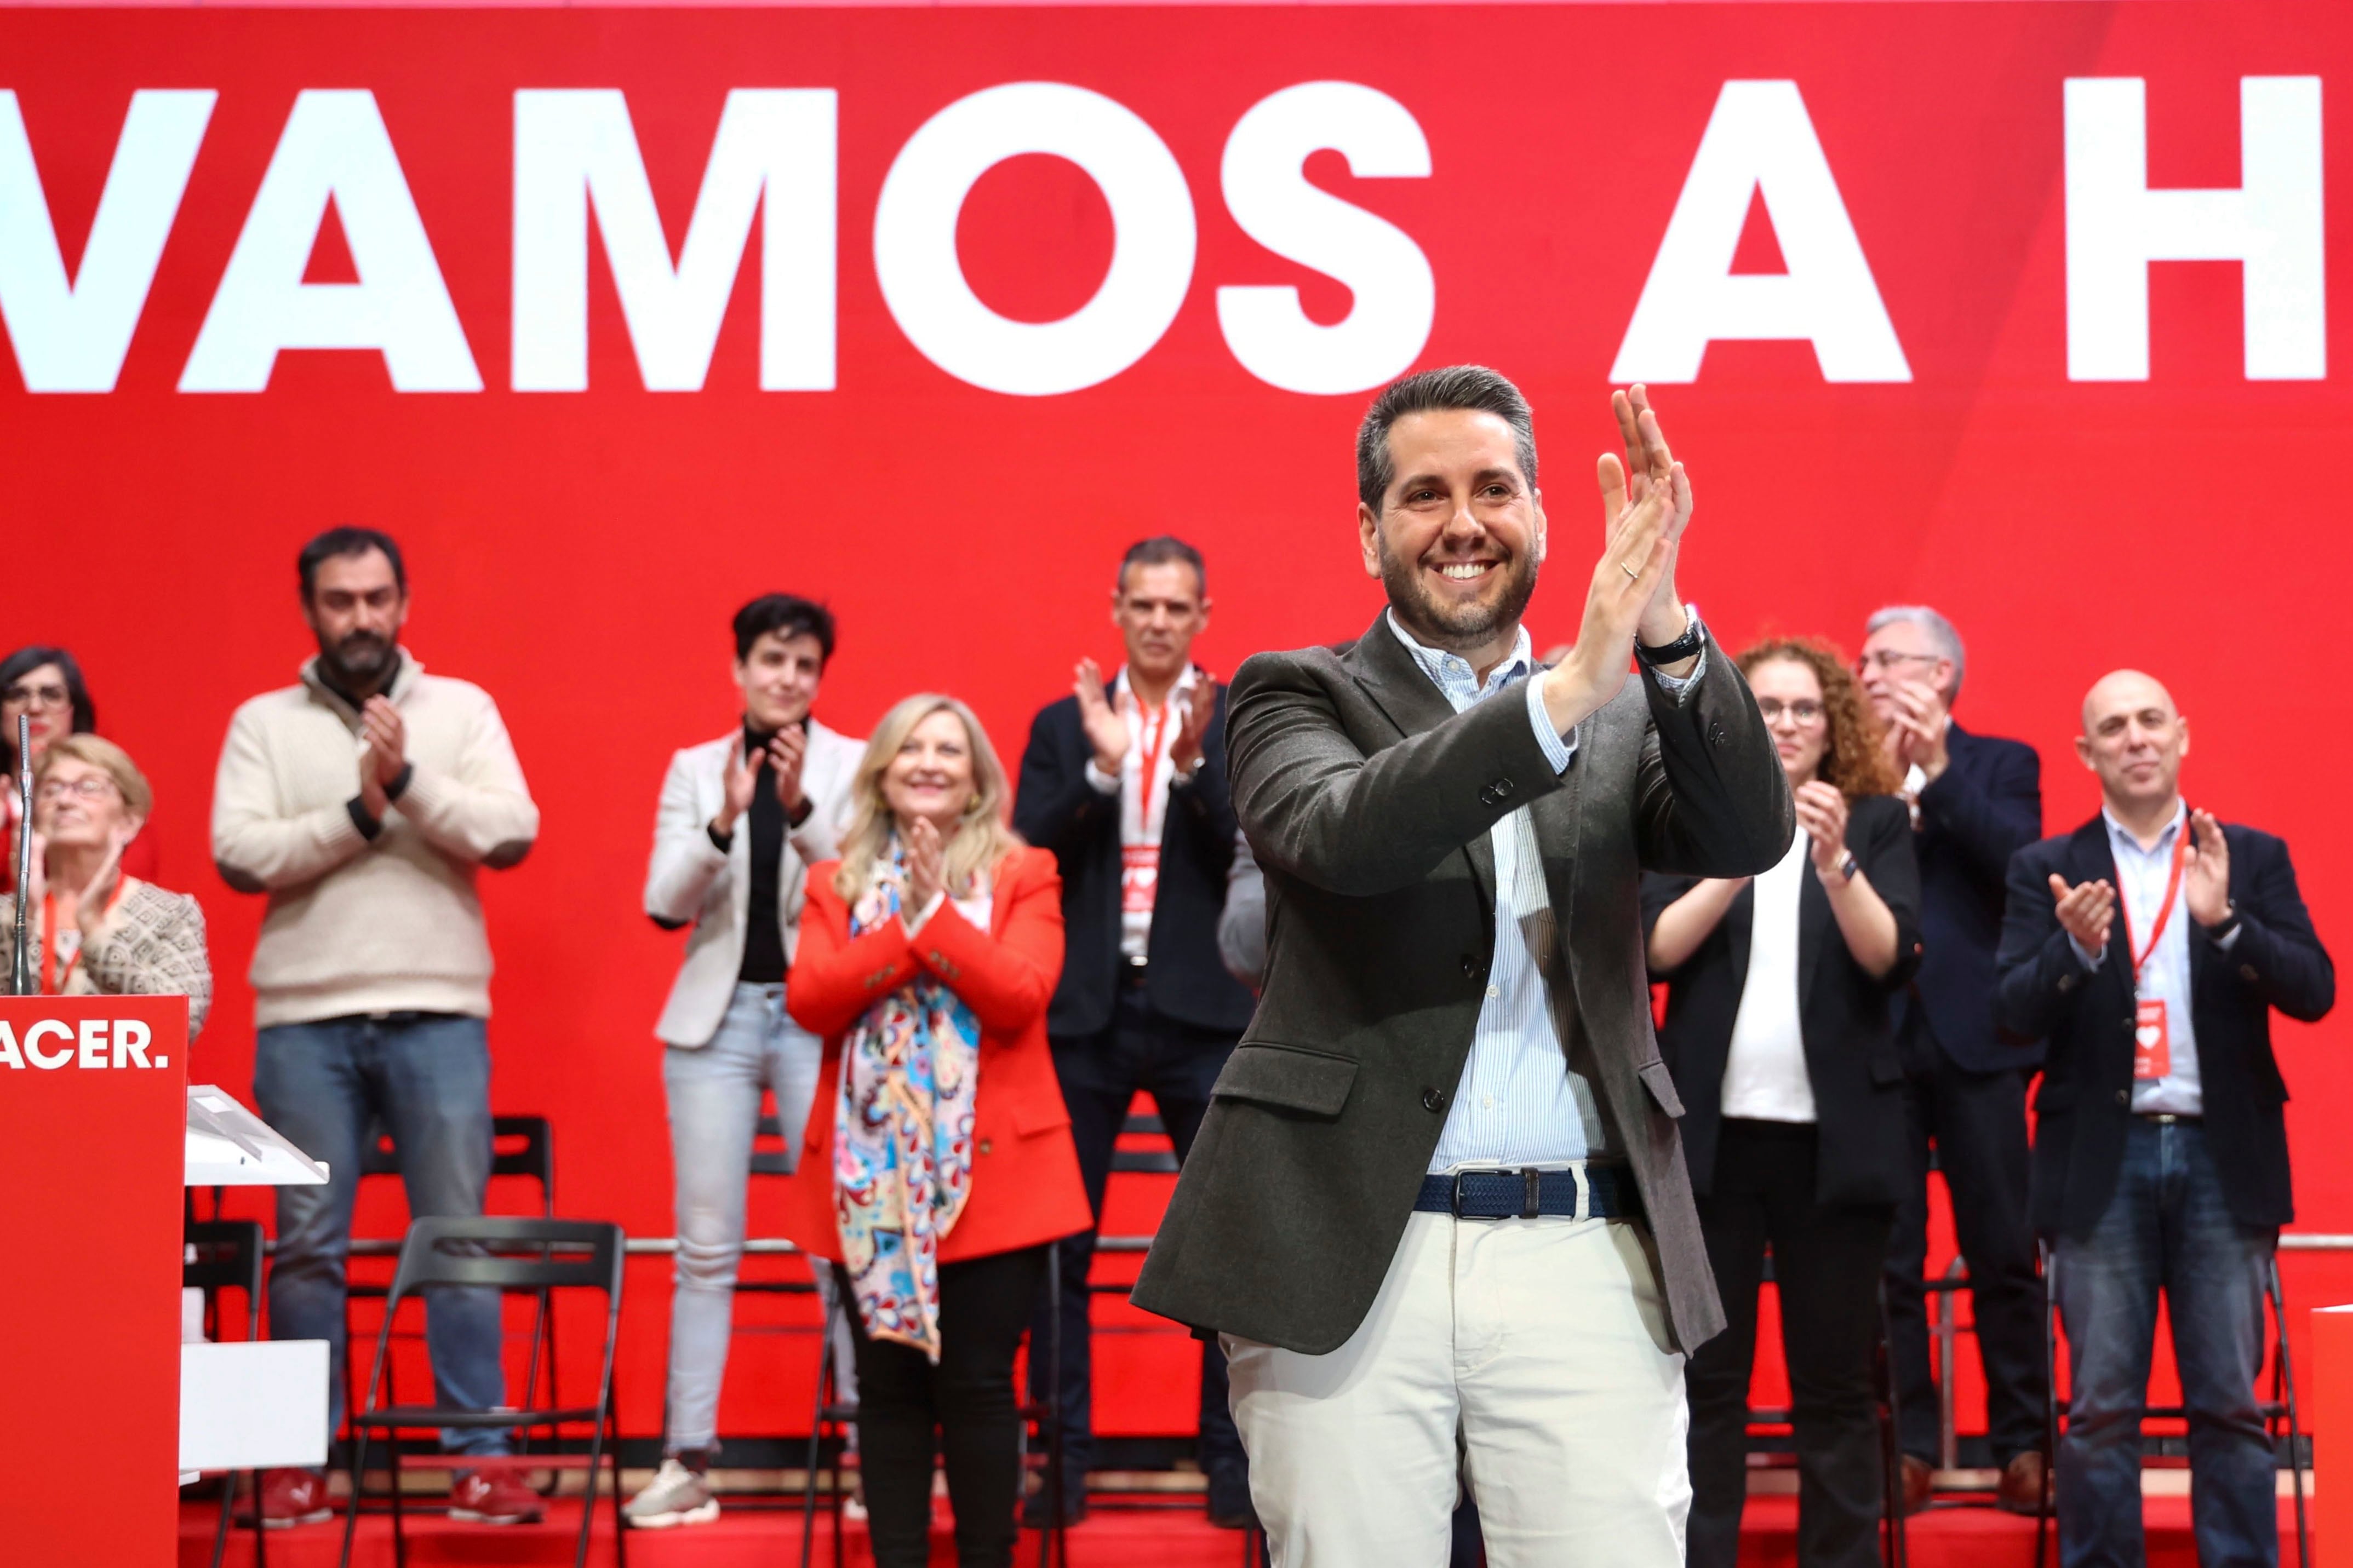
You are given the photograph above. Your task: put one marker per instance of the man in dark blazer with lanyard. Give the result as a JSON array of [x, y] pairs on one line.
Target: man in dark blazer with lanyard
[[1438, 1209], [2150, 947], [1126, 782], [1975, 801]]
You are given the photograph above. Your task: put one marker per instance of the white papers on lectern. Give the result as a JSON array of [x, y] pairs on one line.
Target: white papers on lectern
[[229, 1146]]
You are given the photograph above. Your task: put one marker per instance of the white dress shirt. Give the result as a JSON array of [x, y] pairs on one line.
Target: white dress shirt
[[1765, 1076], [1519, 1102], [1143, 812]]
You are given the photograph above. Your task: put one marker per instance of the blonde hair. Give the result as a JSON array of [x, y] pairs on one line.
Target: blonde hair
[[981, 838], [138, 795]]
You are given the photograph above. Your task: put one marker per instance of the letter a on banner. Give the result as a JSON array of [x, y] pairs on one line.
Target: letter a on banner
[[1760, 142], [335, 148]]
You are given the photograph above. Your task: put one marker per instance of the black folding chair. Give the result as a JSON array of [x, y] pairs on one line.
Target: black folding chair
[[226, 1255], [2280, 1414], [520, 1146], [509, 1254]]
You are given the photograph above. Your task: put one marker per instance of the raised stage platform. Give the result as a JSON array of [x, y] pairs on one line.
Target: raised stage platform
[[1145, 1536]]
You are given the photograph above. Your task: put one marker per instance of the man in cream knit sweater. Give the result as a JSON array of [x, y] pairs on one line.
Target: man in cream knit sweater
[[364, 801]]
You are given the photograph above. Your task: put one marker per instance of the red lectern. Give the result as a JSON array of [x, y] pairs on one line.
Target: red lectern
[[94, 1133]]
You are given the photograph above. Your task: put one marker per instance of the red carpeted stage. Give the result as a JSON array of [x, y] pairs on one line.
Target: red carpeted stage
[[1150, 1536]]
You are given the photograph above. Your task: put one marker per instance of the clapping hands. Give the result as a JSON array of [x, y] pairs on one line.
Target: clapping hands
[[1915, 732], [1106, 730], [927, 865], [384, 753], [2085, 911], [1633, 585], [2206, 870]]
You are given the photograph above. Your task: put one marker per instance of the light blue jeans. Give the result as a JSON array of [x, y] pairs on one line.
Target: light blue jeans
[[715, 1107], [426, 1077]]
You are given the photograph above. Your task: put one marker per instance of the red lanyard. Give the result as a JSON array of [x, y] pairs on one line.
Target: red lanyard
[[56, 976], [2165, 911], [1157, 729]]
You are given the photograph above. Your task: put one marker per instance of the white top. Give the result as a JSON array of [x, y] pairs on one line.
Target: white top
[[1143, 804], [1765, 1075]]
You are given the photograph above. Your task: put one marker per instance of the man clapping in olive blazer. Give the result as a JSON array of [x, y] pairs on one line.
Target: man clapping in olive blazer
[[1438, 1209]]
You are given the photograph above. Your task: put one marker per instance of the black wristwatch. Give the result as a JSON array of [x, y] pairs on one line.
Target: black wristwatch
[[1687, 646]]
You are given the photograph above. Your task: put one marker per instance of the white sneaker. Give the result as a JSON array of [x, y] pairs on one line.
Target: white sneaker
[[675, 1496]]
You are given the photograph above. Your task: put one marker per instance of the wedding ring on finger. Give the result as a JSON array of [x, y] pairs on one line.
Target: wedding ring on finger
[[1632, 572]]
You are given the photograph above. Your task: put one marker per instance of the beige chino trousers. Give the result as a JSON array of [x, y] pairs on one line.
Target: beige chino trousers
[[1528, 1357]]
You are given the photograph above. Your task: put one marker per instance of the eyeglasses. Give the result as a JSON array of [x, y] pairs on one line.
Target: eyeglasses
[[1805, 710], [36, 697], [1885, 660], [90, 786]]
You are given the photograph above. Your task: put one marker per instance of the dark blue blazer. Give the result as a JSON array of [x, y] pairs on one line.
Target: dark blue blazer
[[1984, 808], [2085, 1106], [1056, 808]]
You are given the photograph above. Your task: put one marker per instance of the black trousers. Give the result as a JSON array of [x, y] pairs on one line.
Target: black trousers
[[1101, 1075], [967, 1398], [1826, 1267], [1978, 1122]]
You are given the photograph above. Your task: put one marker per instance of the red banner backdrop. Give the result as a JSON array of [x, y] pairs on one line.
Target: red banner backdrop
[[1918, 290]]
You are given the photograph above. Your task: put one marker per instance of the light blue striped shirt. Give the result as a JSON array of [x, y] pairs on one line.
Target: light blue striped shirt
[[1520, 1101], [2141, 877]]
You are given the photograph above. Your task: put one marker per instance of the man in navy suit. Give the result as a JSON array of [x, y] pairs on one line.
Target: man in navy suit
[[1126, 782], [1975, 801], [2150, 946]]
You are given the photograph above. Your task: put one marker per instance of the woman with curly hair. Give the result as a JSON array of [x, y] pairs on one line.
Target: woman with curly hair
[[1779, 1037]]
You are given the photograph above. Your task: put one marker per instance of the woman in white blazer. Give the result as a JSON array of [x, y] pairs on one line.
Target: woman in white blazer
[[741, 819]]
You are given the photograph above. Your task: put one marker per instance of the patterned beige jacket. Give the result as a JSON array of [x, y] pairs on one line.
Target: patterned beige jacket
[[154, 946]]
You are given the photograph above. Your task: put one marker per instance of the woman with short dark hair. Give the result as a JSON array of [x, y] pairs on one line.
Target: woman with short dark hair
[[1779, 1037], [43, 686]]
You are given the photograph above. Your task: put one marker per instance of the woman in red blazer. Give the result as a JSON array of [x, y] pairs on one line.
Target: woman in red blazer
[[939, 1162]]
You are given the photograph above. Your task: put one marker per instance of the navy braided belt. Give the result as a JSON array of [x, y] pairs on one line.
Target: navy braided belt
[[1531, 1194]]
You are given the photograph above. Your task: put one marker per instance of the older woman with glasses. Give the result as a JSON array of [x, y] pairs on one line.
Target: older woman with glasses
[[1779, 1037], [939, 1161], [99, 931], [43, 686]]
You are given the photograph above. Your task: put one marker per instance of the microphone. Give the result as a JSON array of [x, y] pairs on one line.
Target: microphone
[[20, 969]]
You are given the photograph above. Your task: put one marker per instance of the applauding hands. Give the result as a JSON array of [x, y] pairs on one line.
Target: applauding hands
[[1646, 505], [384, 752], [2087, 910], [1106, 730], [1915, 731], [1821, 815], [786, 749]]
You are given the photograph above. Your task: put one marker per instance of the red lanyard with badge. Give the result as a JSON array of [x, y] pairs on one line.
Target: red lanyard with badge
[[65, 946], [2152, 1038], [1140, 863]]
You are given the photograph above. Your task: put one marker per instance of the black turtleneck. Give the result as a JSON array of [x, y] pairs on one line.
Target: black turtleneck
[[764, 939]]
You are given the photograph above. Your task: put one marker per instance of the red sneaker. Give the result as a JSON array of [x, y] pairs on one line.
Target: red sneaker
[[494, 1498], [292, 1497]]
